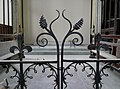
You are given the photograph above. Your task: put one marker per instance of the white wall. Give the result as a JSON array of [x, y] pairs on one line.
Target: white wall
[[75, 9]]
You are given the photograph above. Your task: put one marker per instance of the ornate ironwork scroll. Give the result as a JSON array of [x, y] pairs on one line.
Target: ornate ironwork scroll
[[96, 72], [72, 31], [58, 71], [22, 74], [44, 41], [21, 48], [45, 66]]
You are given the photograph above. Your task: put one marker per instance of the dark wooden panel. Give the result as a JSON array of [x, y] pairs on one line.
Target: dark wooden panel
[[114, 39], [5, 29]]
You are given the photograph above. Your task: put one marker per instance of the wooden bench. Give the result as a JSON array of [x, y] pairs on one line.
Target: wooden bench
[[105, 55], [114, 44], [110, 43]]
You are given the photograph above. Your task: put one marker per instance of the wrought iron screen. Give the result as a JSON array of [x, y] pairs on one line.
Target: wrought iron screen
[[58, 72]]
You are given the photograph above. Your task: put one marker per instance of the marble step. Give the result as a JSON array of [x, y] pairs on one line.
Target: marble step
[[51, 50]]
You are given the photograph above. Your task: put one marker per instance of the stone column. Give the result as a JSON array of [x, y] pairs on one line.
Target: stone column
[[15, 15], [118, 50]]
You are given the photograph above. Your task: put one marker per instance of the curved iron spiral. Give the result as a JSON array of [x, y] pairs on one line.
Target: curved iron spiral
[[49, 32], [44, 68], [71, 31], [43, 42], [16, 74], [74, 41], [74, 66]]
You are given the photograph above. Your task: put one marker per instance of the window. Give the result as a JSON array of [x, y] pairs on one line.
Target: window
[[110, 17], [7, 26]]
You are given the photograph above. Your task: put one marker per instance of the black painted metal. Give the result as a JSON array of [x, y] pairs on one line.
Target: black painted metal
[[71, 31], [59, 72], [49, 32]]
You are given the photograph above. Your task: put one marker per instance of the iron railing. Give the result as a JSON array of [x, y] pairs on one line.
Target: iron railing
[[58, 71]]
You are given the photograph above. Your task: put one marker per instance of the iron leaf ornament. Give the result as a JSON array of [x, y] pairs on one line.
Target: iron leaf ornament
[[78, 24], [43, 41], [43, 22]]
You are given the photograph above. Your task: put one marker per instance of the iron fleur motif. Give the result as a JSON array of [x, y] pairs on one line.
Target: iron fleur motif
[[21, 47], [19, 72], [56, 67]]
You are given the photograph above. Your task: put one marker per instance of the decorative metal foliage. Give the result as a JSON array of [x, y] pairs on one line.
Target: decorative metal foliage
[[43, 22], [49, 32], [77, 41], [58, 70], [16, 74], [19, 72], [46, 66], [78, 24], [74, 66]]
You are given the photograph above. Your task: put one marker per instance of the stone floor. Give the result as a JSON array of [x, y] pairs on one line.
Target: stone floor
[[78, 81]]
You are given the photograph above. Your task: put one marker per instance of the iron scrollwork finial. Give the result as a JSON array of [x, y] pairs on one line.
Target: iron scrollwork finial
[[21, 47], [19, 72], [96, 72], [56, 67], [43, 24], [75, 41], [72, 31], [78, 25]]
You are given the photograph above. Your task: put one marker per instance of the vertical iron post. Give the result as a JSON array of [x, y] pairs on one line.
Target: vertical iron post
[[21, 76], [62, 68], [97, 76], [75, 41], [58, 62], [20, 45], [49, 32]]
